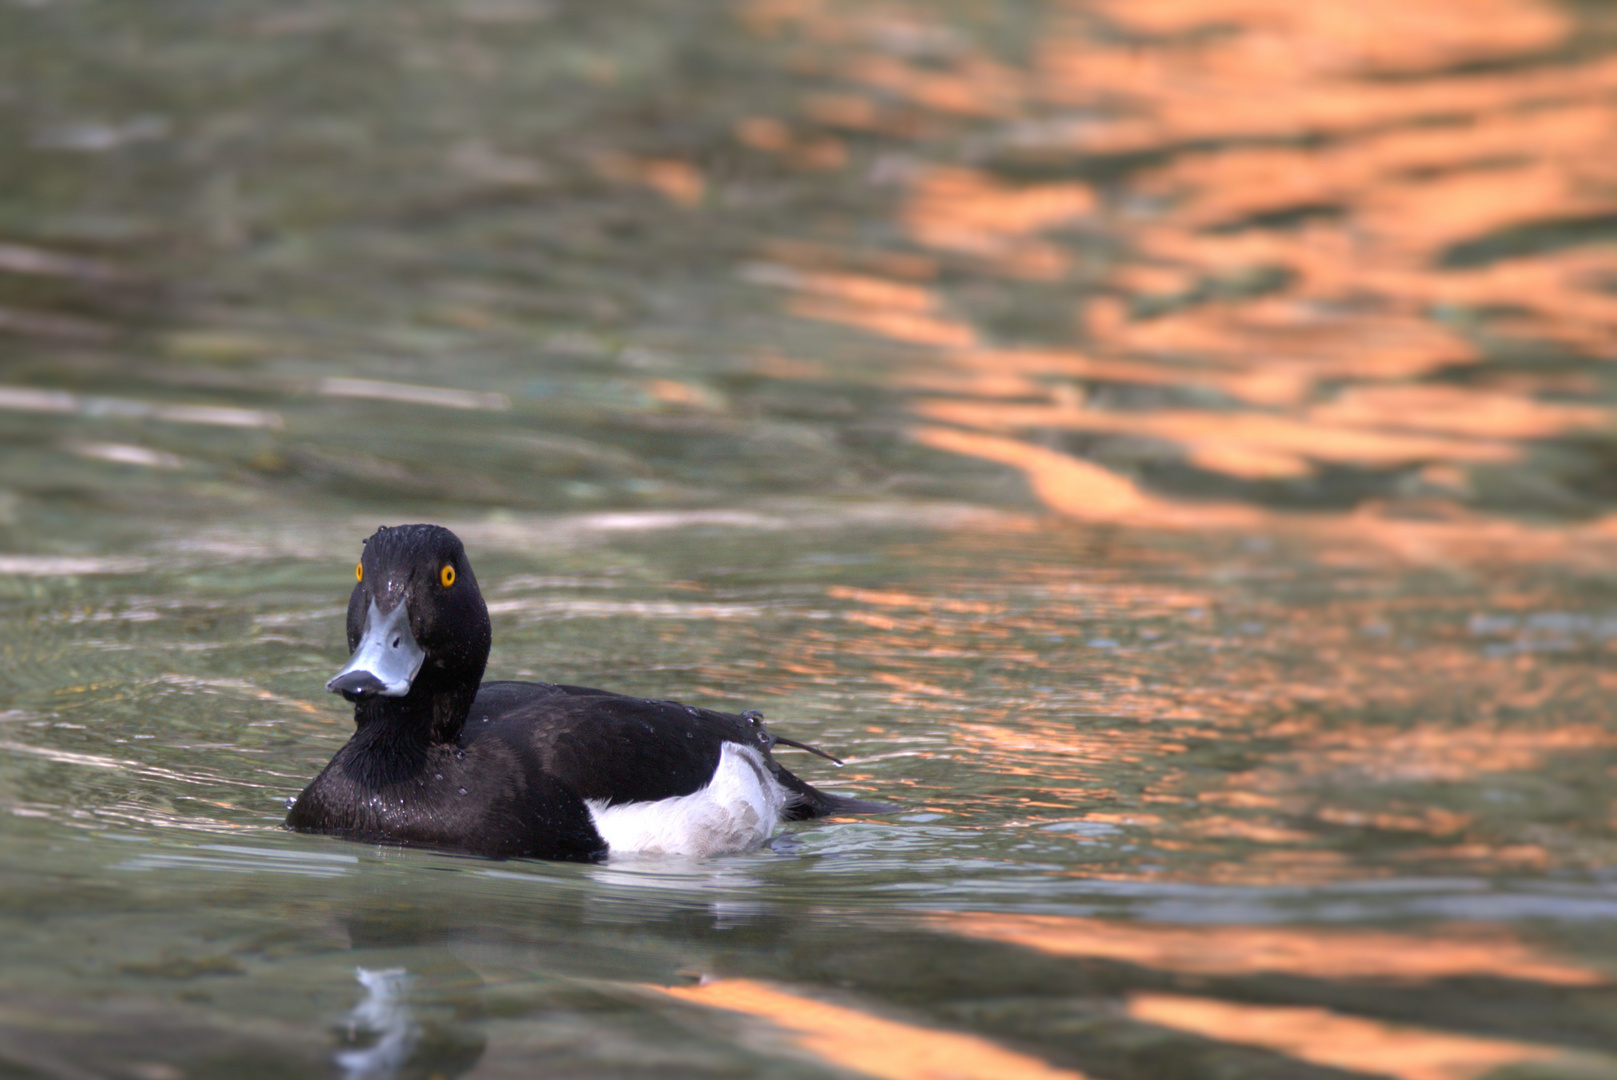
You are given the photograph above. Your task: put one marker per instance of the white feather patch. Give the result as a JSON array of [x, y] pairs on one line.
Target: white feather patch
[[737, 810]]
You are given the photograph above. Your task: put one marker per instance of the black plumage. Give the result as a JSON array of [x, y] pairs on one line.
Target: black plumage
[[501, 769]]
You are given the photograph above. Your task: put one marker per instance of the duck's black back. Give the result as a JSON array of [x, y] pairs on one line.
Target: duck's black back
[[618, 749], [605, 746]]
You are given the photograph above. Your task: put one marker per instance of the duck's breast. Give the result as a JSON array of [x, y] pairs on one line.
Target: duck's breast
[[737, 810]]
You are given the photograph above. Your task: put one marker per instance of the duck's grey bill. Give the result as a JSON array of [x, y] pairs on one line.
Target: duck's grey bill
[[386, 659]]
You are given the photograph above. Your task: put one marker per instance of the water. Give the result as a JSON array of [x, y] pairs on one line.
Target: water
[[1166, 448]]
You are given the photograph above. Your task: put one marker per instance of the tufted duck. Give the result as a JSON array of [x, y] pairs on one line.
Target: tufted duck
[[513, 769]]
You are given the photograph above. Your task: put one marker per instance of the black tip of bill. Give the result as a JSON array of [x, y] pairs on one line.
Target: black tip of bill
[[356, 684]]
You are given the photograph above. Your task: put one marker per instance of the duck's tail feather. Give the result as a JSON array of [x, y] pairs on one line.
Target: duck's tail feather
[[781, 740], [807, 801], [811, 802]]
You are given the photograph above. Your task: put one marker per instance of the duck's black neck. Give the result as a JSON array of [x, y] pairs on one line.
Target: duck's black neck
[[432, 712]]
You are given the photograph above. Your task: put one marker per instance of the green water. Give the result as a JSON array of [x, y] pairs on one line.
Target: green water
[[271, 276]]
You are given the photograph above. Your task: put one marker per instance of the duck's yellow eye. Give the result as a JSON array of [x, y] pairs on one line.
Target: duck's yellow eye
[[447, 575], [359, 571]]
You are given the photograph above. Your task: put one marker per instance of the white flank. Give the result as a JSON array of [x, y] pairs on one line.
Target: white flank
[[738, 810]]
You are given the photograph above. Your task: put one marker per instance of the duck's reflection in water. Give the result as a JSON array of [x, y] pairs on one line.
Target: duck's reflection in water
[[384, 1015], [409, 1023], [398, 1030], [429, 966]]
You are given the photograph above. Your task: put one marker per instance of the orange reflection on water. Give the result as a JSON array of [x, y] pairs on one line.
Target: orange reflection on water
[[678, 181], [1334, 206], [1261, 432], [1445, 753], [866, 1044], [1072, 486], [1081, 489], [1445, 953], [1385, 34], [1054, 751], [894, 598], [1427, 819], [965, 210], [1457, 411], [1339, 272], [772, 136], [869, 310], [1277, 71], [1337, 1041]]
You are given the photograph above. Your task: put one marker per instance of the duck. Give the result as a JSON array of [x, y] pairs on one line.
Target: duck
[[440, 759]]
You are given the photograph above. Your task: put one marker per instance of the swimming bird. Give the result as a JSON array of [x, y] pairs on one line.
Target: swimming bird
[[443, 760]]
